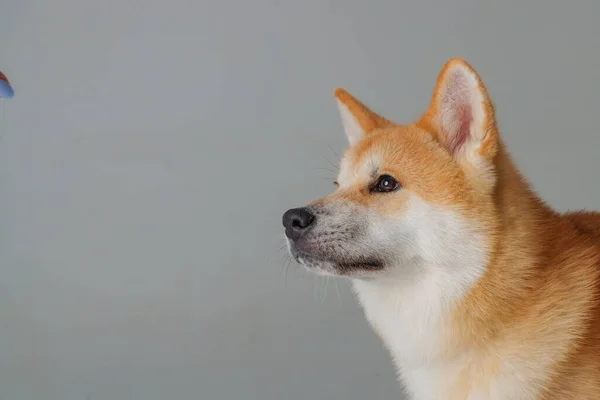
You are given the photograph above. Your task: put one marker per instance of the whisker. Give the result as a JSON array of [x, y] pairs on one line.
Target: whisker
[[277, 252], [325, 290], [338, 291], [324, 169], [330, 163], [278, 236], [348, 283], [334, 153], [285, 267]]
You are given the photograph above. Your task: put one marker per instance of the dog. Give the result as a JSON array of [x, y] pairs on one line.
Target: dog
[[478, 289]]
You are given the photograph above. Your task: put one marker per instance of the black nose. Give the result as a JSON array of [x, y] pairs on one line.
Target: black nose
[[297, 221]]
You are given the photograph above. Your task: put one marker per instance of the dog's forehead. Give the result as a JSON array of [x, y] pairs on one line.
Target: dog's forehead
[[384, 150], [359, 166]]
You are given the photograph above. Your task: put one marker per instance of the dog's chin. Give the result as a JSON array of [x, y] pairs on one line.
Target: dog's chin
[[315, 266], [327, 267]]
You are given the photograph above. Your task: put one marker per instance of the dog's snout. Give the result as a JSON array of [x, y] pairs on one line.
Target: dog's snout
[[297, 221]]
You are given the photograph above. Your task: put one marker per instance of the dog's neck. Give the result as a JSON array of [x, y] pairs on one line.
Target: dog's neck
[[514, 264]]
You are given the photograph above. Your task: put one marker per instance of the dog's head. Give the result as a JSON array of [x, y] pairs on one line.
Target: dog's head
[[407, 195]]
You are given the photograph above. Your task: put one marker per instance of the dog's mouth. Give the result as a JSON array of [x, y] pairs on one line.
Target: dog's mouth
[[369, 265], [336, 264]]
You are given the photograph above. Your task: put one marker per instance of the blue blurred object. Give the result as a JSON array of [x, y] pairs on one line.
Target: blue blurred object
[[6, 91]]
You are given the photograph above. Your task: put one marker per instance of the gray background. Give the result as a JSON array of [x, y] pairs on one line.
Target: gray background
[[152, 147]]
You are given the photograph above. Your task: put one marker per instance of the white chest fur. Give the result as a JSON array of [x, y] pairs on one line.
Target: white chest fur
[[412, 321]]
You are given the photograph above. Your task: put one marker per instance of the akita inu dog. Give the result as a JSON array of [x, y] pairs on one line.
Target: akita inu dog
[[478, 289]]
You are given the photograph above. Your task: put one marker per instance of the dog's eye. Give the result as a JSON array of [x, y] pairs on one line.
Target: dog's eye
[[386, 183], [336, 184]]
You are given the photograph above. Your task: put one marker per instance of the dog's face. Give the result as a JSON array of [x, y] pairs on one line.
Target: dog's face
[[406, 196]]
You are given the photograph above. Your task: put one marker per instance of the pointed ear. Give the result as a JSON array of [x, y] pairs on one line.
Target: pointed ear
[[357, 119], [461, 113]]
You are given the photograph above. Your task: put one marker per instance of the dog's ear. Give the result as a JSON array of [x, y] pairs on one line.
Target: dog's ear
[[461, 114], [357, 119]]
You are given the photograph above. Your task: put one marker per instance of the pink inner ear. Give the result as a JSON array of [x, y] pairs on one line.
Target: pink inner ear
[[459, 138], [457, 113]]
